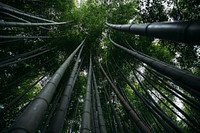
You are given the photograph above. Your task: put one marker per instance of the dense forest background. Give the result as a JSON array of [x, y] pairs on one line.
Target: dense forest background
[[28, 54]]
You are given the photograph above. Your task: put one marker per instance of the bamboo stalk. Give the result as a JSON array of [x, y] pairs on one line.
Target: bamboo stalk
[[180, 31], [16, 11], [133, 115], [32, 116], [17, 24], [168, 70], [86, 117]]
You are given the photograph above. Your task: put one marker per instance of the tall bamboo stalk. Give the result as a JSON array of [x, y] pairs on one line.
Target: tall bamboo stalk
[[16, 99], [22, 37], [114, 113], [99, 108], [153, 109], [10, 9], [15, 17], [180, 31], [18, 24], [31, 118], [86, 123], [133, 115], [168, 70], [94, 110], [57, 122], [25, 58]]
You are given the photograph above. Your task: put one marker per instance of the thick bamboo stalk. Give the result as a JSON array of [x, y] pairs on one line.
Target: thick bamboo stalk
[[52, 110], [57, 122], [10, 9], [86, 123], [31, 118], [133, 115], [99, 108], [18, 24], [172, 72], [180, 31]]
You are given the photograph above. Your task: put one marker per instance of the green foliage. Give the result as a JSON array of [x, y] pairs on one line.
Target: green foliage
[[89, 22]]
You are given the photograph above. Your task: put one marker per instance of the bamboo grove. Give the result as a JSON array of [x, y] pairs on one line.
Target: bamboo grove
[[90, 66]]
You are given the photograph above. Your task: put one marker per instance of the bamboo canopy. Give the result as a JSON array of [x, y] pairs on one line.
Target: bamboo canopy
[[179, 31], [116, 88]]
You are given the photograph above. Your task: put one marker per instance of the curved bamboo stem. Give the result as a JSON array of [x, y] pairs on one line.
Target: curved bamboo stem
[[168, 70], [180, 31]]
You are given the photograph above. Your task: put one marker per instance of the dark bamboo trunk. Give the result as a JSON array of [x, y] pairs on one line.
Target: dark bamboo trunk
[[179, 31], [116, 118], [86, 118], [169, 88], [23, 37], [57, 122], [153, 109], [174, 73], [25, 58], [10, 9], [99, 108], [32, 116], [15, 100], [133, 115], [15, 17], [17, 24]]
